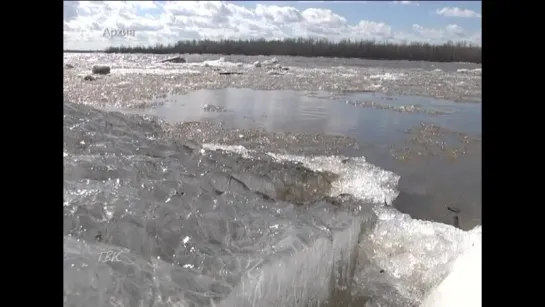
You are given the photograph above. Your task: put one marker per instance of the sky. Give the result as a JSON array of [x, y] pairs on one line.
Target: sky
[[95, 25]]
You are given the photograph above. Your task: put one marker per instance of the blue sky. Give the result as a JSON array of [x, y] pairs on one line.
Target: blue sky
[[169, 21], [397, 15]]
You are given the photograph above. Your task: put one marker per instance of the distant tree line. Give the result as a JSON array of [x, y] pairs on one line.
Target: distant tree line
[[82, 51], [415, 51]]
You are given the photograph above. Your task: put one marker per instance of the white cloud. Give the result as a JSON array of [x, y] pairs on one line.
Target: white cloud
[[407, 2], [371, 30], [457, 12], [456, 30], [430, 33], [451, 32], [168, 22], [332, 1]]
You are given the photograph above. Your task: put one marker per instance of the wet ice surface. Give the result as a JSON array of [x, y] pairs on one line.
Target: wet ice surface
[[137, 79], [153, 219]]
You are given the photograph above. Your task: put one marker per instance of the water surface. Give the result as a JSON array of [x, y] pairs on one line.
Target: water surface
[[379, 123]]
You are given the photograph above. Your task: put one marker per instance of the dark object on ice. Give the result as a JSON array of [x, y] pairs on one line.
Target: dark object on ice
[[98, 237], [89, 78], [177, 59], [69, 66], [230, 73], [101, 70], [456, 221], [453, 209], [382, 271]]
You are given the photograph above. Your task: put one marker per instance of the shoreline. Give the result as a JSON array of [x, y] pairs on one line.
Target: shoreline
[[271, 55], [307, 47]]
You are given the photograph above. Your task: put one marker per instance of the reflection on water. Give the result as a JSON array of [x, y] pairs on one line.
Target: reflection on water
[[291, 111]]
